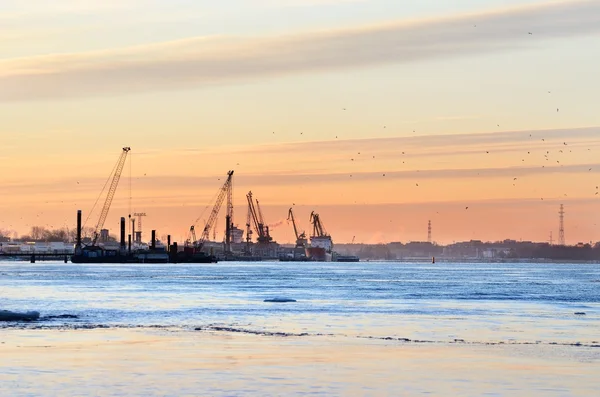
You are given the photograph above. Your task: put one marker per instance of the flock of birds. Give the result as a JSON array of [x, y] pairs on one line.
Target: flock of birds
[[546, 155]]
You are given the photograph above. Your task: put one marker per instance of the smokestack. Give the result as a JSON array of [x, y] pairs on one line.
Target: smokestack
[[129, 247], [123, 233], [78, 228], [168, 242], [153, 246], [228, 233]]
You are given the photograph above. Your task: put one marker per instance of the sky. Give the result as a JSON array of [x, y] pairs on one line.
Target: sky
[[380, 115]]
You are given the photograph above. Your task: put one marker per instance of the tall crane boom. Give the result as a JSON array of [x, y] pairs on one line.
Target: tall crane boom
[[318, 229], [252, 214], [266, 236], [248, 226], [300, 237], [111, 193], [258, 221], [213, 215], [291, 217], [229, 219]]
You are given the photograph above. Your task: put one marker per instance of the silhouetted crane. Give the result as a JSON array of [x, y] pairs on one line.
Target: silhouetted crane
[[300, 237], [199, 243], [111, 193]]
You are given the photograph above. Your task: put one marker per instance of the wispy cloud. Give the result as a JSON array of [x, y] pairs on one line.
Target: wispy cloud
[[214, 60], [305, 3], [448, 143], [293, 179]]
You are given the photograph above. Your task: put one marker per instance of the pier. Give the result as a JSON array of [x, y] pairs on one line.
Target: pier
[[37, 256]]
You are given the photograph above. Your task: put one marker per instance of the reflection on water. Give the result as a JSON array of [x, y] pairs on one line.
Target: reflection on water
[[125, 362]]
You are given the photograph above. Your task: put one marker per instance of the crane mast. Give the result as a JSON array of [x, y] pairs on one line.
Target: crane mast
[[111, 193], [213, 215]]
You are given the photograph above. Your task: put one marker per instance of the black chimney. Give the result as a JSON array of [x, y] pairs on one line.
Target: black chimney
[[78, 228], [153, 246], [122, 233]]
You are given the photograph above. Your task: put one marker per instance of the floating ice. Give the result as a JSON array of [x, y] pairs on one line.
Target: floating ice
[[280, 300], [6, 315]]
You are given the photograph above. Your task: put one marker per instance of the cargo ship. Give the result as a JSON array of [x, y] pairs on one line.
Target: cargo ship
[[320, 249], [321, 245]]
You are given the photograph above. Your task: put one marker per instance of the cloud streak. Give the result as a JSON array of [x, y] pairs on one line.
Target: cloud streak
[[292, 179], [217, 60]]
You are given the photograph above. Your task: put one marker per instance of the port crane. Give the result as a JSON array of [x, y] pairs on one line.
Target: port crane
[[229, 219], [256, 216], [248, 230], [223, 191], [318, 228], [300, 237], [111, 193]]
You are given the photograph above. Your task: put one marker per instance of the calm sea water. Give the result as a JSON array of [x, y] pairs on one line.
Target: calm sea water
[[477, 303]]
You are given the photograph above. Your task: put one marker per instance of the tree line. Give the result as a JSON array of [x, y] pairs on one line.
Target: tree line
[[43, 234]]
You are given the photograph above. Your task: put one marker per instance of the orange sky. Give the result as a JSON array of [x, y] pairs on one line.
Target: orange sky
[[386, 193], [311, 104]]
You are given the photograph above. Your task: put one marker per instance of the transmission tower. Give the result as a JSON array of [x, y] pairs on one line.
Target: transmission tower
[[561, 227], [551, 241], [429, 232]]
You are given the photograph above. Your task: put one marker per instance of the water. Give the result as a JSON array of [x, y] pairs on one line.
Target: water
[[357, 329], [517, 303]]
